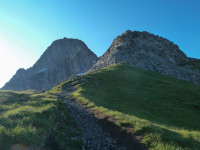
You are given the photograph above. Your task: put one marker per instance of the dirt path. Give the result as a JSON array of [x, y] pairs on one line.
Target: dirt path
[[98, 130], [94, 137]]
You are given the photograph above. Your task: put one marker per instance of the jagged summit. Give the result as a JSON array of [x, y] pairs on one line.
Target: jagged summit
[[151, 52], [61, 59]]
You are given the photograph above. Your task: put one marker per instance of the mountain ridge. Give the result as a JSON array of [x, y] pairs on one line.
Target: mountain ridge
[[68, 56]]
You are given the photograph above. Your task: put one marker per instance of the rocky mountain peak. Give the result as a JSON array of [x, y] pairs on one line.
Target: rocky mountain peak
[[63, 58], [148, 51], [148, 45]]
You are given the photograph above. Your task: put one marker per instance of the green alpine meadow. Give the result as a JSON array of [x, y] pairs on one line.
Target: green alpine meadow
[[163, 110]]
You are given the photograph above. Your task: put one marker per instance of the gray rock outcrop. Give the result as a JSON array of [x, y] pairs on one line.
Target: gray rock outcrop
[[150, 52], [63, 58]]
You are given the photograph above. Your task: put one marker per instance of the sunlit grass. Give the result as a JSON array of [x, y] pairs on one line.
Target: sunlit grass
[[29, 118], [24, 118]]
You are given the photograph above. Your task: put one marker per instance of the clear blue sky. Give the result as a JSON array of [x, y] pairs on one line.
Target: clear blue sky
[[28, 27]]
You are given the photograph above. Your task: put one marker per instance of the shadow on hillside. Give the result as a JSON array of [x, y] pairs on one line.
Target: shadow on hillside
[[159, 99], [146, 95]]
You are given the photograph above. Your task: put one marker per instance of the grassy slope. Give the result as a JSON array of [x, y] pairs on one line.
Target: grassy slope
[[165, 111], [27, 119]]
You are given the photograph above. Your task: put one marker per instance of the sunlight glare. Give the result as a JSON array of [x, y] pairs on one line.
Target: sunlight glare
[[9, 64]]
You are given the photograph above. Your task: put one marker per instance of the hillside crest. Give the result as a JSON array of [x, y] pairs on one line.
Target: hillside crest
[[150, 52]]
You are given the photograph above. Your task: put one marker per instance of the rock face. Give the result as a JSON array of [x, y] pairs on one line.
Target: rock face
[[150, 52], [63, 58]]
